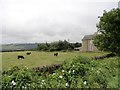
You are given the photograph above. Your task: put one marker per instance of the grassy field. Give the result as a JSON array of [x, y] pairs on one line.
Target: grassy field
[[10, 59]]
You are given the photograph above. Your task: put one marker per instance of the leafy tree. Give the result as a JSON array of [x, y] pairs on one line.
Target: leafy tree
[[77, 44], [61, 45], [42, 47], [108, 27], [66, 44], [58, 46], [53, 46]]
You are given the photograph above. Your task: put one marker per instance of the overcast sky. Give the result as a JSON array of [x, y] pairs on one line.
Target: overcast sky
[[30, 21]]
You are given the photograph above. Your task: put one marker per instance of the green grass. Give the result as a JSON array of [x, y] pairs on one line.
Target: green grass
[[9, 59], [0, 61]]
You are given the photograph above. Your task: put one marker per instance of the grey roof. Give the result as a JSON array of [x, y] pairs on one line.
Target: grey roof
[[87, 37]]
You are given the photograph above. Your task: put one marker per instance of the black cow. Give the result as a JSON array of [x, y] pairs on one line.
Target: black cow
[[20, 56], [28, 53], [55, 54]]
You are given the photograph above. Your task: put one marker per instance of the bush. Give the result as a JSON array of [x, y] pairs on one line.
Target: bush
[[79, 73], [19, 78]]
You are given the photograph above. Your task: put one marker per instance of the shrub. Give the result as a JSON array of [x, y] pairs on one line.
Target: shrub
[[79, 73]]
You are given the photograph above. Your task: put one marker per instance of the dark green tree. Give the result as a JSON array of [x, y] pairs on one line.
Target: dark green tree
[[60, 45], [108, 27], [77, 44], [42, 47]]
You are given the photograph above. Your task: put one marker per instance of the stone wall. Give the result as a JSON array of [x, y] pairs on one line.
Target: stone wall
[[87, 45]]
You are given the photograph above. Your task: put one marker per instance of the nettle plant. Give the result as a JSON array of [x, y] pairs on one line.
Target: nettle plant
[[19, 78], [79, 73]]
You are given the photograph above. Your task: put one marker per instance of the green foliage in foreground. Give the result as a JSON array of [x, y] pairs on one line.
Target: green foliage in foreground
[[79, 73]]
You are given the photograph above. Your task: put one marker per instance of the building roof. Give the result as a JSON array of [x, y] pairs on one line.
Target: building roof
[[87, 37]]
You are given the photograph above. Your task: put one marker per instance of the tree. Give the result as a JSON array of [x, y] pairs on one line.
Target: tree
[[62, 45], [108, 27], [42, 47], [77, 44]]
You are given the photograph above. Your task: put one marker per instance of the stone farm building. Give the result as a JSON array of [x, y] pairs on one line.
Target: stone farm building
[[87, 44]]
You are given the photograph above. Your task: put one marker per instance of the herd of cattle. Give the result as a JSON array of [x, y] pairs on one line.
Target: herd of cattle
[[22, 57], [94, 58], [29, 53]]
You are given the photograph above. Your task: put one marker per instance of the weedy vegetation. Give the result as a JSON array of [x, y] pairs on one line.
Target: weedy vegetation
[[80, 72]]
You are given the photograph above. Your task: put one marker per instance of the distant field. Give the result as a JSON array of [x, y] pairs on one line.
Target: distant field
[[10, 59]]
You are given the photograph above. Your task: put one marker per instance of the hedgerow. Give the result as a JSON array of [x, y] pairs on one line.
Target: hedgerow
[[81, 72]]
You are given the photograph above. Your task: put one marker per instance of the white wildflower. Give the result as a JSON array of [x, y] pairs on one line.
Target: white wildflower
[[73, 71], [28, 84], [63, 71], [53, 74], [73, 65], [60, 76], [85, 82], [23, 87], [67, 84], [43, 80], [42, 83], [13, 82], [69, 71], [98, 71]]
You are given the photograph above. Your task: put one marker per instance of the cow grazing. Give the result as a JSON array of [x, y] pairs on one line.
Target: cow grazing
[[20, 57], [55, 54], [28, 53]]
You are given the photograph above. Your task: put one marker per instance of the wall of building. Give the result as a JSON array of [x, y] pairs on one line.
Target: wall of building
[[84, 46], [87, 45], [94, 47]]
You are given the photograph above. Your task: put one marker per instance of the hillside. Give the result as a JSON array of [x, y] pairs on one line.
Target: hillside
[[14, 47]]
